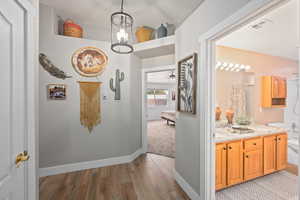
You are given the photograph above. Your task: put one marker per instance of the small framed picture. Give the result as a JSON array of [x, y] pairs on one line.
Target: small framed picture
[[187, 84], [56, 91]]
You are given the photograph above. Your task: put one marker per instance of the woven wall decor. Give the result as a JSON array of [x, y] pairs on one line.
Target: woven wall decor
[[89, 61], [90, 111]]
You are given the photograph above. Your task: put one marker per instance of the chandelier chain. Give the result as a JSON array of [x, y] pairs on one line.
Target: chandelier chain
[[122, 6]]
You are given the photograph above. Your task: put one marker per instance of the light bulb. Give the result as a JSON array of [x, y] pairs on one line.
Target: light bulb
[[122, 36], [247, 67]]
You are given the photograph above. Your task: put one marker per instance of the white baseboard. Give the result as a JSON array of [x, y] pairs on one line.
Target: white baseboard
[[60, 169], [186, 187]]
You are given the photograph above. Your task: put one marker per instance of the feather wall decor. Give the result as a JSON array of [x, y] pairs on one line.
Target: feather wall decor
[[50, 68]]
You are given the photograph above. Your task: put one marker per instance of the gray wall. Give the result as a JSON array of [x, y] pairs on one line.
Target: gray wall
[[189, 162], [158, 61], [61, 137]]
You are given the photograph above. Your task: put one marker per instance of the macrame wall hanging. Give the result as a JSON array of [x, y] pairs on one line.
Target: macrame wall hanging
[[90, 111]]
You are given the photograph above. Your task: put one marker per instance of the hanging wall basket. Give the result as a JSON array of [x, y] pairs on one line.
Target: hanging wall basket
[[89, 61]]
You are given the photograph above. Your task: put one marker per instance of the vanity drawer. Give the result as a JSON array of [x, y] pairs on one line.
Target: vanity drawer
[[253, 144]]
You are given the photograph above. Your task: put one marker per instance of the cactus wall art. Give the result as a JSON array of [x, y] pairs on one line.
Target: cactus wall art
[[117, 88]]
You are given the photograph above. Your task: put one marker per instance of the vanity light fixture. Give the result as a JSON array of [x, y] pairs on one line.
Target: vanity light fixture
[[232, 67], [224, 65], [218, 65], [247, 67], [121, 32], [235, 67], [229, 67]]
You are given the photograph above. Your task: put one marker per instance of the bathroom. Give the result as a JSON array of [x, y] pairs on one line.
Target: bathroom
[[257, 103]]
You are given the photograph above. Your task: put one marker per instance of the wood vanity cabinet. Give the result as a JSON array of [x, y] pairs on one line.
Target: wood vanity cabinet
[[253, 158], [246, 159], [273, 91], [229, 164], [275, 153], [270, 154], [281, 154], [234, 162], [221, 166]]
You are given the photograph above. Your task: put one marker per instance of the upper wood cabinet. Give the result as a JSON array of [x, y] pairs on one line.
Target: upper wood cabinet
[[278, 87], [221, 168], [273, 91], [235, 162]]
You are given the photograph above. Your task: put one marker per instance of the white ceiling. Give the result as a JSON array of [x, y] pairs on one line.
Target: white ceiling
[[277, 37], [160, 77], [96, 13]]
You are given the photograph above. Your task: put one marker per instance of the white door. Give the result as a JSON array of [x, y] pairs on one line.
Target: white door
[[12, 100]]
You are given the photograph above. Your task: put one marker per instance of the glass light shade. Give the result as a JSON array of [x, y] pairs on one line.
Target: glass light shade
[[121, 33]]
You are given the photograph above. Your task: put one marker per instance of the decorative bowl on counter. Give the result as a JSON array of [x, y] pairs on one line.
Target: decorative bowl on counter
[[241, 129], [243, 121]]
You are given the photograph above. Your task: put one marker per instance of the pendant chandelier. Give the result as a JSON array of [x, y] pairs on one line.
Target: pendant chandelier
[[121, 32]]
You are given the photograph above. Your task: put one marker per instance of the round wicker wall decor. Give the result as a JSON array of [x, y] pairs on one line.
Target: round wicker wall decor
[[89, 61]]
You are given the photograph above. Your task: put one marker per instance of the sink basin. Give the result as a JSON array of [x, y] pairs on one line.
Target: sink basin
[[218, 135]]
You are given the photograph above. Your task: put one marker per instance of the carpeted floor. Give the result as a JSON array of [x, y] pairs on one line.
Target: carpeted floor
[[278, 186], [161, 138]]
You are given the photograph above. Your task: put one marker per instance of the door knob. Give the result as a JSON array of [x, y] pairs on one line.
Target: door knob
[[21, 157]]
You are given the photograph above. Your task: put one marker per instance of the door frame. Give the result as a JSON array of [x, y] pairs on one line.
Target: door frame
[[243, 16], [31, 26], [145, 71]]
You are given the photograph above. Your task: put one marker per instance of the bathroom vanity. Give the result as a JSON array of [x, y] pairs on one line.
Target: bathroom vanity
[[242, 157]]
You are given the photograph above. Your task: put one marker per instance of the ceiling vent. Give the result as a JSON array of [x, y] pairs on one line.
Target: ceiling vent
[[261, 23]]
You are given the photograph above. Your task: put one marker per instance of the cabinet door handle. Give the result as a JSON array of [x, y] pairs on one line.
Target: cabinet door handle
[[247, 156], [279, 138], [224, 148], [254, 143], [230, 147]]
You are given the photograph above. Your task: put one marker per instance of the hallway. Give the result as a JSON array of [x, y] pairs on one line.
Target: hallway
[[149, 177]]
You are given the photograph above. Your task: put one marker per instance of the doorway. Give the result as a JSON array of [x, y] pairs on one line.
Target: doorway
[[18, 138], [245, 16], [159, 93]]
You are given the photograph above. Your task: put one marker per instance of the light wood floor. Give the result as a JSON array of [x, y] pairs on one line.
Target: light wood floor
[[149, 177]]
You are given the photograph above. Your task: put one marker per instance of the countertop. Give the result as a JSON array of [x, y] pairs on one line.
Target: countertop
[[225, 134]]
